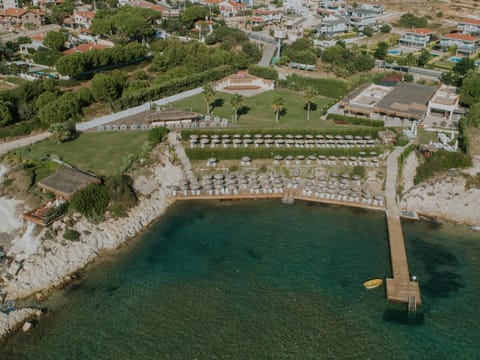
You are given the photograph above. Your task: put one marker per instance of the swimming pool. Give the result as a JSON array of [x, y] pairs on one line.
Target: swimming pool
[[394, 52], [455, 59]]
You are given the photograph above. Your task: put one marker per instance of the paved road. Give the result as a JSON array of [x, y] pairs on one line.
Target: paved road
[[391, 182], [267, 55], [11, 145], [43, 29]]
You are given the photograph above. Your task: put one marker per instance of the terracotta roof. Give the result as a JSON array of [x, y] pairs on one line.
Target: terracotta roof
[[84, 48], [470, 21], [147, 5], [38, 37], [212, 1], [421, 31], [14, 12], [237, 4], [86, 13], [462, 37], [256, 19], [266, 12]]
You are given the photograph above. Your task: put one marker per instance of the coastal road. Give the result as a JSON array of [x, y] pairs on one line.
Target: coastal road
[[15, 144]]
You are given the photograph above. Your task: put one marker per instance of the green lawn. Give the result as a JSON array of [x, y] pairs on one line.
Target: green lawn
[[258, 112], [101, 153]]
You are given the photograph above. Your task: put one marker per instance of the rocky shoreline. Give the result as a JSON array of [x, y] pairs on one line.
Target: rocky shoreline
[[54, 261]]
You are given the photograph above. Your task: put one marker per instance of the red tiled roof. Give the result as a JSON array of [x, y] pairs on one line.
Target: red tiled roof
[[212, 1], [237, 4], [462, 37], [469, 21], [420, 31], [147, 5], [84, 48], [14, 12], [266, 12], [256, 19], [86, 13], [38, 37]]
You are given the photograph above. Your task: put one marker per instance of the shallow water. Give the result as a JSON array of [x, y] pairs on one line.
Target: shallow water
[[261, 280]]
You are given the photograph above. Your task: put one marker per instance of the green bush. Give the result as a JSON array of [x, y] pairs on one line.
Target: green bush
[[120, 190], [358, 170], [441, 161], [91, 202], [263, 72], [71, 235], [356, 120], [20, 129], [157, 135]]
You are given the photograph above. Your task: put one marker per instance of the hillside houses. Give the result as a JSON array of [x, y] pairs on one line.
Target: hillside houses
[[416, 38]]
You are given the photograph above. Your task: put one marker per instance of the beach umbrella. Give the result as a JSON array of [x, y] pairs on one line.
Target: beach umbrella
[[278, 136], [237, 136], [215, 136], [246, 158], [334, 174], [225, 136], [332, 158], [267, 136], [356, 177], [289, 158], [295, 174], [258, 136], [218, 176], [247, 136], [278, 157], [319, 137], [194, 137], [289, 136], [259, 141], [309, 136], [345, 176], [300, 157]]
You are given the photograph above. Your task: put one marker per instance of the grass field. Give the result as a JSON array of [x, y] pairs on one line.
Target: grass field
[[258, 113], [101, 153]]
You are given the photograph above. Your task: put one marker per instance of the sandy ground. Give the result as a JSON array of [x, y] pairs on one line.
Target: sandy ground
[[409, 172]]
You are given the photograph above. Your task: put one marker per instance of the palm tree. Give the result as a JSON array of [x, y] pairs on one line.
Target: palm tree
[[309, 94], [277, 106], [208, 94], [236, 102]]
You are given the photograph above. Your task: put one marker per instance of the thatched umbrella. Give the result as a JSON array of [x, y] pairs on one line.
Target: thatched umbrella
[[289, 136], [267, 136], [278, 136], [258, 136], [289, 158], [225, 136], [332, 158], [319, 137], [193, 137], [345, 176], [247, 136], [215, 136], [295, 174], [237, 136], [246, 159], [218, 176]]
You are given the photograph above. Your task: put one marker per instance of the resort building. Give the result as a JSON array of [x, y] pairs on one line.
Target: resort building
[[405, 101], [172, 118], [242, 82], [469, 26], [84, 48], [444, 102], [466, 44], [416, 38], [333, 6]]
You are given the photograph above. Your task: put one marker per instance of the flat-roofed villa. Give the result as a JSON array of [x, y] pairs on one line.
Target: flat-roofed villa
[[444, 102], [416, 38], [405, 101], [469, 26], [466, 44]]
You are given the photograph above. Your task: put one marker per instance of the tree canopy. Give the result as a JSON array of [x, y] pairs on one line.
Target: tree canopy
[[55, 40], [470, 89]]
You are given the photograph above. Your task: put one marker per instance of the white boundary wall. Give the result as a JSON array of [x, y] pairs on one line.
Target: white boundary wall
[[135, 110]]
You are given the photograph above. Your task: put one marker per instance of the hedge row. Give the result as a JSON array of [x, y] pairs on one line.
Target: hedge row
[[356, 120], [20, 129], [269, 153], [263, 72], [354, 132], [171, 87]]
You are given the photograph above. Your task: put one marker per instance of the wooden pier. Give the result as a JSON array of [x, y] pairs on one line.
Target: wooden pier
[[400, 288]]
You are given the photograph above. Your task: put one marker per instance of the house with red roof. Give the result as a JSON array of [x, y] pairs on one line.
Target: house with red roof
[[83, 18], [466, 44], [416, 38], [18, 18], [84, 48], [231, 8], [147, 5], [469, 26]]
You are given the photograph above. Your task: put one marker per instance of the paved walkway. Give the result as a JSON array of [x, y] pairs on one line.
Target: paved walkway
[[182, 156], [267, 55], [15, 144]]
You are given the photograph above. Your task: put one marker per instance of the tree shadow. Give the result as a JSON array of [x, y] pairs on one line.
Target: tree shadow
[[313, 107], [217, 103], [243, 110]]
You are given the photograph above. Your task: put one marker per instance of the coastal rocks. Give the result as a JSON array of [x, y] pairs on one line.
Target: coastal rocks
[[46, 269], [13, 320], [445, 198]]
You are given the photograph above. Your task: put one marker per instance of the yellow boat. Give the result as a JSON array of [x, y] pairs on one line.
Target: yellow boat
[[371, 284]]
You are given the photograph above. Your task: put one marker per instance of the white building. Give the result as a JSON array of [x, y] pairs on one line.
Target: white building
[[444, 102], [416, 38], [361, 17], [8, 4], [331, 25], [466, 44], [469, 26]]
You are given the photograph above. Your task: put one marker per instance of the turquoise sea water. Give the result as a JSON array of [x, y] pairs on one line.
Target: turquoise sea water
[[261, 280]]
